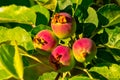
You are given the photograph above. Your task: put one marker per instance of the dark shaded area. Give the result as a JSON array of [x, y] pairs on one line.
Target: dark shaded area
[[79, 28], [116, 53], [101, 38], [88, 28], [104, 55], [104, 37], [102, 20], [99, 3], [13, 24], [68, 10], [96, 39], [75, 72], [55, 62], [38, 28], [17, 2], [41, 19]]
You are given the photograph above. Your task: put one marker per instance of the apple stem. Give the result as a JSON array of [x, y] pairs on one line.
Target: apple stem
[[71, 42], [86, 71]]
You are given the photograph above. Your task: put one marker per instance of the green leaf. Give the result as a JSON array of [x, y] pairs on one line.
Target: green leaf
[[79, 78], [48, 76], [3, 30], [78, 2], [18, 64], [112, 13], [11, 60], [115, 20], [86, 3], [114, 71], [43, 15], [115, 53], [108, 71], [64, 3], [16, 34], [75, 5], [18, 14], [81, 11], [4, 74], [92, 17], [65, 42], [31, 74], [7, 53], [113, 37], [50, 4], [44, 1]]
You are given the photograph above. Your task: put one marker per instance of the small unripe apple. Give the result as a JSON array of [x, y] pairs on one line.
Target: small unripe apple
[[45, 40], [84, 50], [63, 25], [62, 59]]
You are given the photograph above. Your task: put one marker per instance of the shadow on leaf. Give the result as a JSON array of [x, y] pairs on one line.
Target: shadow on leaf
[[98, 76], [41, 19]]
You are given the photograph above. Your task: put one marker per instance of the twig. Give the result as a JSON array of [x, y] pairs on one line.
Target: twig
[[57, 77], [85, 70]]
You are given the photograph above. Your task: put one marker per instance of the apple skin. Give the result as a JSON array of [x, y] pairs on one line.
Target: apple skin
[[62, 59], [84, 50], [63, 25], [45, 40]]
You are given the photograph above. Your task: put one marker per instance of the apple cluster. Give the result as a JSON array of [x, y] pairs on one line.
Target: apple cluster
[[62, 58]]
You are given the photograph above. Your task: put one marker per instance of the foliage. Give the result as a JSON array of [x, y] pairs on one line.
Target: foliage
[[20, 21]]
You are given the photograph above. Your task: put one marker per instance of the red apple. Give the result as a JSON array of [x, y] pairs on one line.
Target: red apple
[[62, 59], [45, 40], [63, 25], [84, 50]]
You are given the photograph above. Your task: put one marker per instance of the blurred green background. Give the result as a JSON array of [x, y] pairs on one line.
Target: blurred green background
[[17, 2]]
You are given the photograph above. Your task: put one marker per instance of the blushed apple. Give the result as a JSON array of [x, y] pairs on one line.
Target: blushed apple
[[63, 25]]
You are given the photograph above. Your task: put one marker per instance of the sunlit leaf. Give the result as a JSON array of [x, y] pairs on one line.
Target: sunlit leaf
[[113, 37], [18, 14], [78, 2], [92, 17], [18, 63], [79, 78], [64, 3], [109, 71], [16, 34], [50, 4], [48, 76], [4, 74], [7, 53], [111, 12], [11, 60], [44, 1]]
